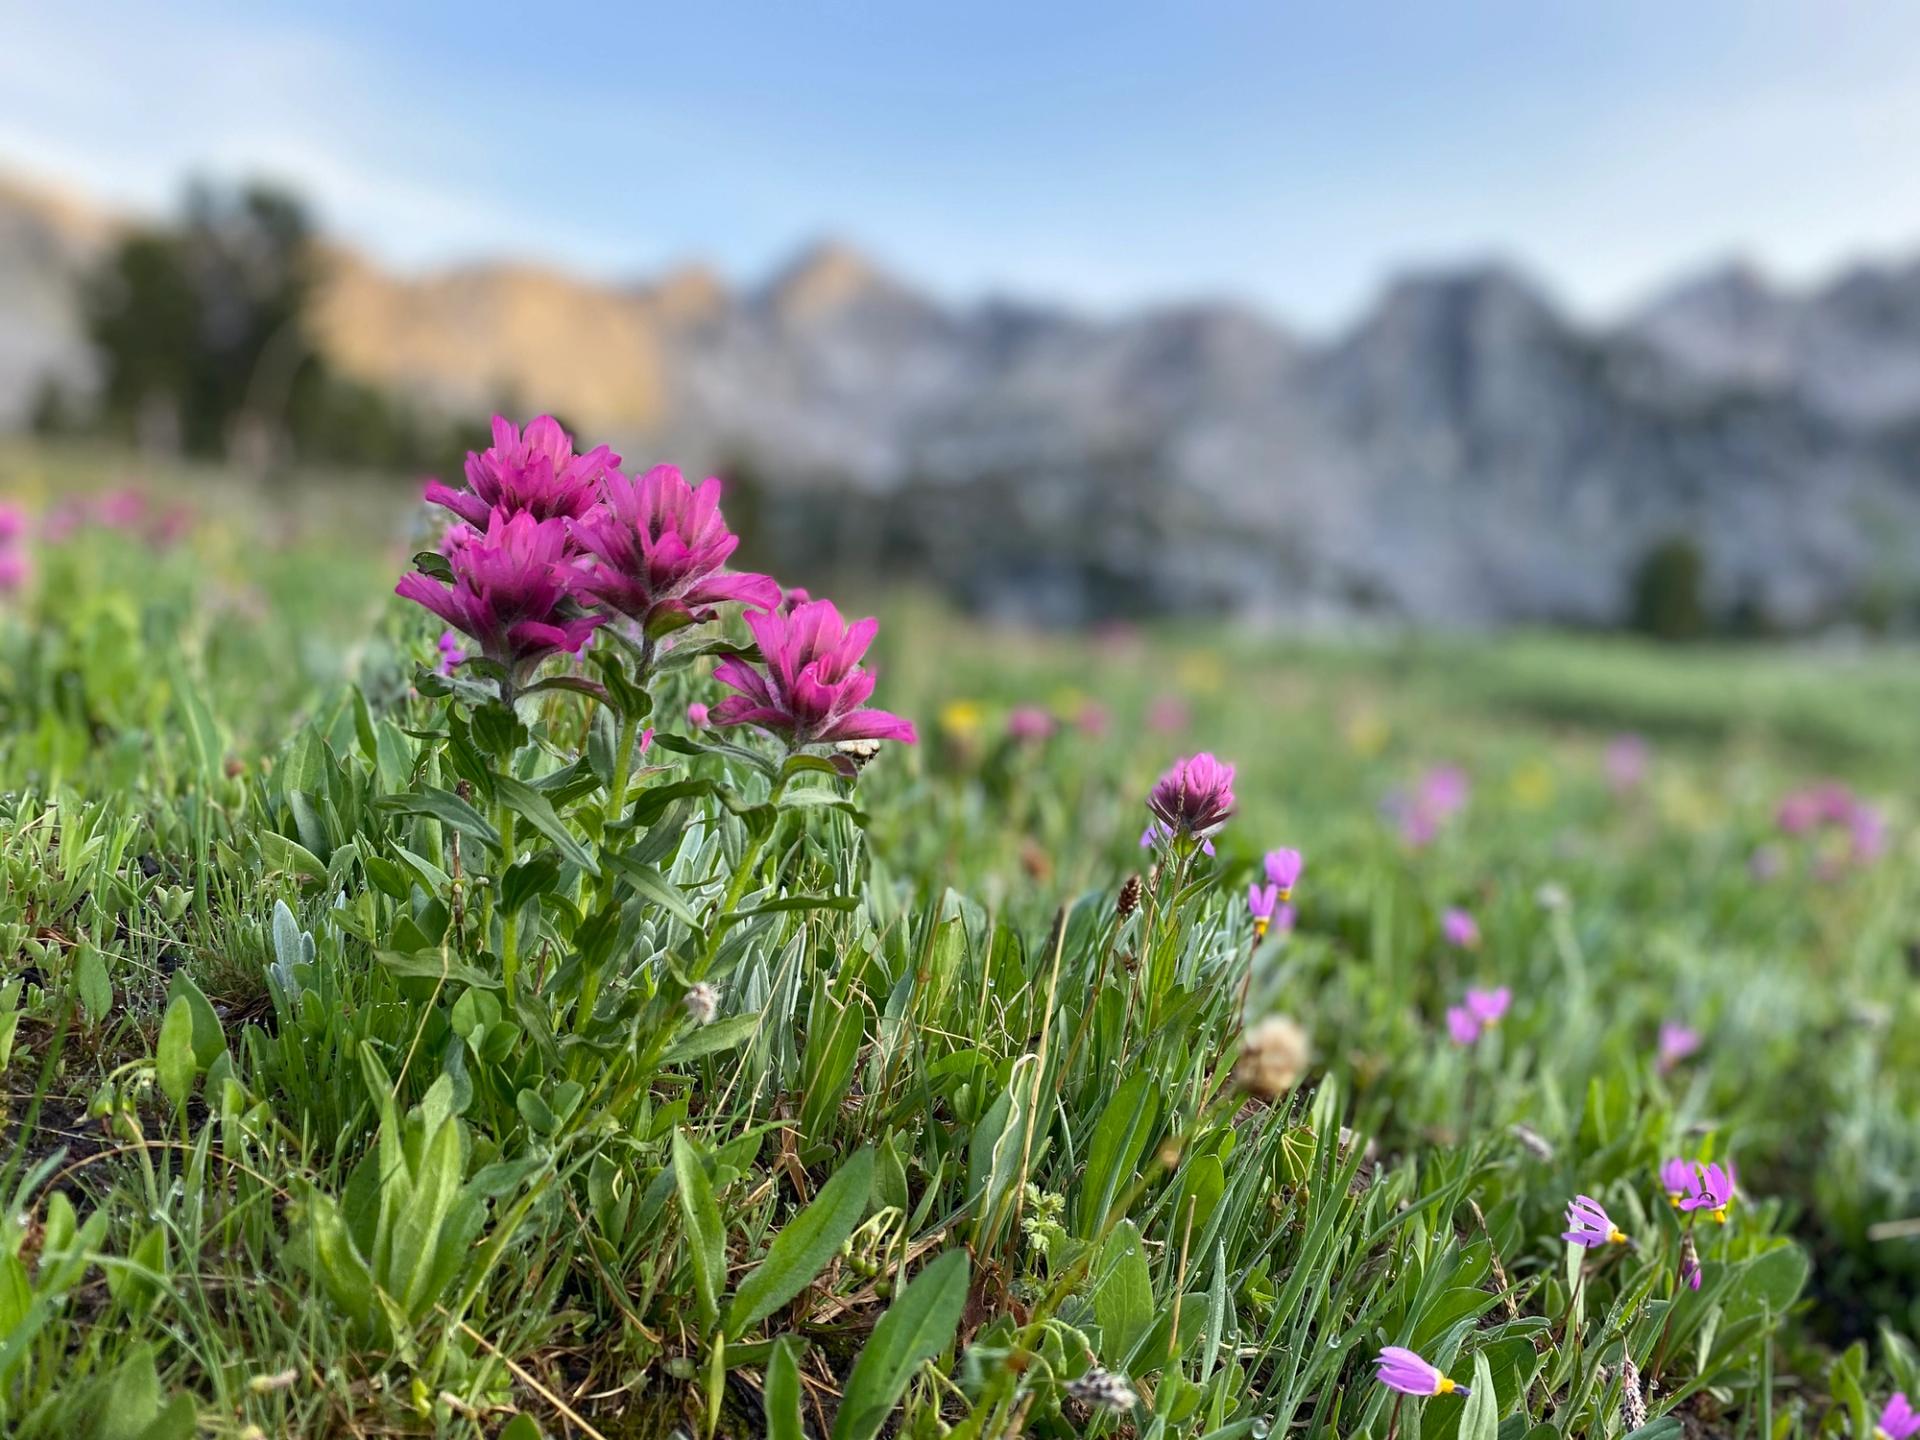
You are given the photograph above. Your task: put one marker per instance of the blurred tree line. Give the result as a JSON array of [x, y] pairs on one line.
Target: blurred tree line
[[202, 331]]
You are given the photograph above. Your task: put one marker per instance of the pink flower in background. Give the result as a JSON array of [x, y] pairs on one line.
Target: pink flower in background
[[1710, 1188], [509, 588], [450, 652], [1589, 1225], [1461, 1025], [1402, 1370], [1283, 868], [1867, 834], [1676, 1176], [1677, 1042], [1168, 715], [15, 565], [13, 523], [1440, 795], [1899, 1421], [1482, 1010], [1262, 901], [1094, 719], [1029, 724], [1461, 930], [1626, 762], [534, 473], [122, 509], [1194, 797], [697, 715], [656, 546], [812, 688], [15, 570], [1490, 1007]]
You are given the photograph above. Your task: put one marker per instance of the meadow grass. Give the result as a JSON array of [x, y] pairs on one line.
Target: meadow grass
[[381, 1063]]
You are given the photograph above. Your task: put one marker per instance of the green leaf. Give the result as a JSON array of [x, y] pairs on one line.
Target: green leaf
[[782, 1402], [801, 1251], [535, 807], [706, 1237], [652, 885], [435, 965], [173, 1056], [1480, 1420], [917, 1326], [1123, 1295], [710, 1039], [91, 984], [1119, 1140], [209, 1040], [446, 807]]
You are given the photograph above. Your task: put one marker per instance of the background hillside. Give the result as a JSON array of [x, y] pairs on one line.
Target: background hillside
[[1465, 453]]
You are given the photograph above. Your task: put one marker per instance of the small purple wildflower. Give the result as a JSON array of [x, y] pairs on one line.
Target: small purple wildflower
[[1626, 762], [450, 652], [1262, 902], [1461, 930], [1677, 1042], [697, 715], [1676, 1176], [1283, 868], [1899, 1421], [1461, 1025], [1589, 1225], [1029, 724], [1710, 1188], [1402, 1370]]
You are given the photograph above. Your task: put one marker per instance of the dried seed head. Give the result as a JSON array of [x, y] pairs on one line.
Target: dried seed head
[[1129, 900], [1104, 1390], [1633, 1404], [702, 1001], [1273, 1056], [1533, 1142]]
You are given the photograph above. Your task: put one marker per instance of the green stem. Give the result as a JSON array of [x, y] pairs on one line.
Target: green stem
[[509, 920]]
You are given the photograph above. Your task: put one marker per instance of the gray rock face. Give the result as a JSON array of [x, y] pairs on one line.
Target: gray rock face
[[1463, 455]]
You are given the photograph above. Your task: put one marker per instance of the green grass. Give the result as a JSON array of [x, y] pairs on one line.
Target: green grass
[[325, 1119]]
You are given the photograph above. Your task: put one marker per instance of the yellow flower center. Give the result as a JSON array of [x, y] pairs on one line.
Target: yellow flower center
[[1673, 1199], [1286, 892], [1260, 923], [1616, 1237], [1720, 1216], [1443, 1386]]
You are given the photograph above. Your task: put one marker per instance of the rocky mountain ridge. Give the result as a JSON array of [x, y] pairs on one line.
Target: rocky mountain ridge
[[1464, 454]]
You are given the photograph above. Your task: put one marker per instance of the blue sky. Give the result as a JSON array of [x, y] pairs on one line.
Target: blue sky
[[1105, 154]]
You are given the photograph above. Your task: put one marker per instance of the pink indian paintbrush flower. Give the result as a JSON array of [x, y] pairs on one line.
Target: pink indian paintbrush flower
[[1402, 1370], [656, 546], [13, 523], [509, 592], [794, 596], [1029, 724], [812, 688], [1461, 930], [1283, 868], [534, 472], [1677, 1042], [1899, 1420], [1194, 798], [1710, 1188], [1589, 1225]]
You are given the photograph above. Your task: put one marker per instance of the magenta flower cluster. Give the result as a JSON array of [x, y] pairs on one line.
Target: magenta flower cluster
[[550, 546], [1831, 808], [1193, 800], [1440, 795]]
